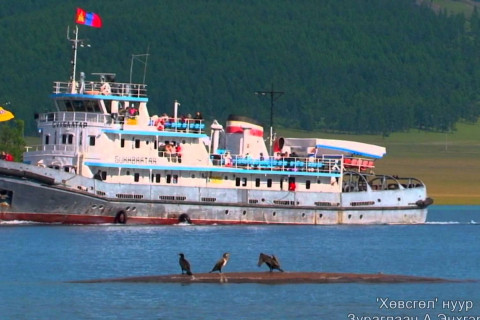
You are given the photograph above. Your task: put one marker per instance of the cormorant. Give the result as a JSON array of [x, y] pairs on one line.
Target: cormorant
[[184, 264], [221, 263], [271, 261]]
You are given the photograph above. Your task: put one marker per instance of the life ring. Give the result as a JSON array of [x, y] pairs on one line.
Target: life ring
[[121, 217], [184, 218], [105, 89]]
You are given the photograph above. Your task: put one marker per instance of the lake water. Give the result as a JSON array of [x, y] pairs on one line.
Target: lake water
[[37, 261]]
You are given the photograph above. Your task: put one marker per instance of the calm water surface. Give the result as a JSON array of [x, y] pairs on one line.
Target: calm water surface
[[37, 261]]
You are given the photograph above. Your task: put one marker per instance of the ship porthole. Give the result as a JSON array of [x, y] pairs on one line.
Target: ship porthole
[[244, 212], [379, 200], [303, 215], [274, 214], [121, 217], [226, 211], [361, 216], [349, 216], [320, 215]]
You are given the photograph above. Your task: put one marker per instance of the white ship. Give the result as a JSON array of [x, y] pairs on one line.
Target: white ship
[[104, 158]]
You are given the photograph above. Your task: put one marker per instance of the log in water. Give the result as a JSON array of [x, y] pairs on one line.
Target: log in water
[[275, 278]]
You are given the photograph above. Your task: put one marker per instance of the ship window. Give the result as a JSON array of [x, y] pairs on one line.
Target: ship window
[[78, 105], [237, 182], [257, 182], [244, 182], [307, 184], [137, 143], [68, 106], [122, 143], [67, 138], [91, 140], [47, 139], [155, 144], [157, 178], [269, 183], [175, 178], [136, 177], [169, 178], [104, 175], [92, 106]]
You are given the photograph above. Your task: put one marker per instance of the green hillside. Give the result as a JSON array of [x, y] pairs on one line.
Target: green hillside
[[353, 66]]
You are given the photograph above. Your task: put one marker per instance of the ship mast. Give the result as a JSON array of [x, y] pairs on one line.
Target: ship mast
[[75, 41], [143, 58], [274, 95]]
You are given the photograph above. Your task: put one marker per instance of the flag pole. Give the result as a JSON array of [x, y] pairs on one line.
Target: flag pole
[[74, 61]]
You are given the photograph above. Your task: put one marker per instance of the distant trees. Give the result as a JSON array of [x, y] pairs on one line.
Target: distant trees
[[11, 138], [348, 66]]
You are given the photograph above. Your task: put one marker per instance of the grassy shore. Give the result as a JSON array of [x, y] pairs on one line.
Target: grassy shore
[[449, 164]]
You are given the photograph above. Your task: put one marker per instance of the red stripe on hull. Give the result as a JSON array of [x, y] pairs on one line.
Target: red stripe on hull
[[58, 218]]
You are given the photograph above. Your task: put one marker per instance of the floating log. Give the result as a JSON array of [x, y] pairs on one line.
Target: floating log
[[274, 278]]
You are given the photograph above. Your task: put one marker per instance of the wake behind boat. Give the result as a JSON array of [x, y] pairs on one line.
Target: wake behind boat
[[104, 158]]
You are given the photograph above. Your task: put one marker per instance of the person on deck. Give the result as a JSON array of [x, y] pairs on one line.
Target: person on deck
[[228, 159], [178, 151]]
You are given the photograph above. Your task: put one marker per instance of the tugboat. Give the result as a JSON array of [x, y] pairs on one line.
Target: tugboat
[[104, 158]]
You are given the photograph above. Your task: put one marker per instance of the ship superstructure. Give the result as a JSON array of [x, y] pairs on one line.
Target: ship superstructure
[[104, 158]]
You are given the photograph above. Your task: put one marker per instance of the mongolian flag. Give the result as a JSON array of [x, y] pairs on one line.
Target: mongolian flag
[[88, 18]]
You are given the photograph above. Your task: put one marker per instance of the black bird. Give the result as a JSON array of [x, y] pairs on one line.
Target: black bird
[[271, 261], [221, 263], [184, 264]]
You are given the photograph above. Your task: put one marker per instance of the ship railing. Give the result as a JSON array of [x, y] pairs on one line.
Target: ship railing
[[409, 183], [101, 88], [171, 156], [385, 182], [302, 164], [53, 148], [187, 125], [74, 117]]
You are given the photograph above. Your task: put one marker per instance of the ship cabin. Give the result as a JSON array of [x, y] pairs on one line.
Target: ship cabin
[[102, 129]]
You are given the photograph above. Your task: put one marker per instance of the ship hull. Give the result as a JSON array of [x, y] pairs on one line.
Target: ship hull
[[36, 200]]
